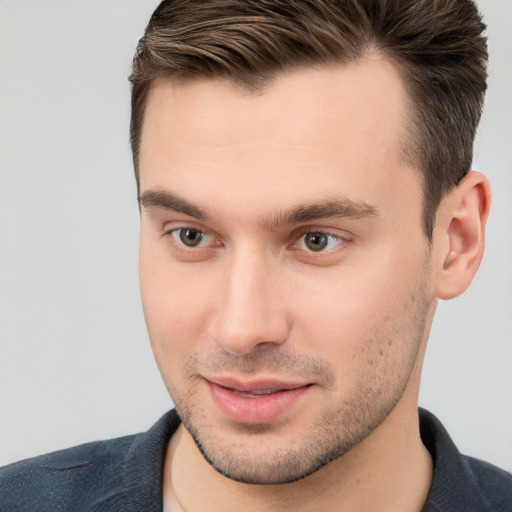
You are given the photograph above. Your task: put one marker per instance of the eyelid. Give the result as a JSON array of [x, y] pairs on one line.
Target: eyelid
[[172, 227], [337, 233], [330, 240], [342, 236], [175, 234]]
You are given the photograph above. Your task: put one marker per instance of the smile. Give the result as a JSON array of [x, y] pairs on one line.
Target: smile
[[256, 392], [255, 402]]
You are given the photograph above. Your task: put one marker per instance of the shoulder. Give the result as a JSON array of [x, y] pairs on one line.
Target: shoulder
[[461, 482], [51, 481], [494, 483], [117, 474]]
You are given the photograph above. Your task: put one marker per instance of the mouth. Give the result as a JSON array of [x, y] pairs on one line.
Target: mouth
[[256, 401], [255, 392]]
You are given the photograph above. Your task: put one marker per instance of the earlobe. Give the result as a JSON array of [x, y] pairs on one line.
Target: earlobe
[[460, 235]]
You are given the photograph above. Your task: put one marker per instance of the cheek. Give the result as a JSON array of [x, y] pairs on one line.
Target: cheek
[[174, 302], [363, 318]]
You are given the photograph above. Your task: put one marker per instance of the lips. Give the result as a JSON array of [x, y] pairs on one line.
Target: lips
[[255, 402]]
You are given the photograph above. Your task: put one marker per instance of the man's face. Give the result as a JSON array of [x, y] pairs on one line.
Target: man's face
[[285, 275]]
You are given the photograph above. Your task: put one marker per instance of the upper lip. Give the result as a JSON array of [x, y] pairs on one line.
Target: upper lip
[[255, 384]]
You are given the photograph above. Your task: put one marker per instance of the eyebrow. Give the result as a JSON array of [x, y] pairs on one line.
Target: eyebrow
[[169, 201], [332, 207]]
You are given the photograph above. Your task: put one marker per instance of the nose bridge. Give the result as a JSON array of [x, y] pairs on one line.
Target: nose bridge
[[249, 311]]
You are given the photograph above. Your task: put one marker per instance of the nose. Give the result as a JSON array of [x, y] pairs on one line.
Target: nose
[[250, 313]]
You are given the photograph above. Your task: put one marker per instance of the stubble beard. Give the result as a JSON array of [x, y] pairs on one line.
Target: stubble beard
[[340, 428]]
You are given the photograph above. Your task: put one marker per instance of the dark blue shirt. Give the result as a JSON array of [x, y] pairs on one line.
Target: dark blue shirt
[[125, 475]]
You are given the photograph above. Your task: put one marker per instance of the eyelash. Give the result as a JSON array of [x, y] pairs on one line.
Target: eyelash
[[299, 236], [341, 241], [174, 234]]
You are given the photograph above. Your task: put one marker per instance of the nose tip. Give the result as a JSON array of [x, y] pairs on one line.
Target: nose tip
[[249, 314], [241, 338]]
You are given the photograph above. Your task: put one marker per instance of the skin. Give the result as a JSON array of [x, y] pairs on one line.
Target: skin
[[253, 301]]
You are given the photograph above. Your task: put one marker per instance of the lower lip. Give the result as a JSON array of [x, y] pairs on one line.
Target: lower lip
[[255, 410]]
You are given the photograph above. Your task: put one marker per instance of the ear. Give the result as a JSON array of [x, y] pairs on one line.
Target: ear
[[459, 235]]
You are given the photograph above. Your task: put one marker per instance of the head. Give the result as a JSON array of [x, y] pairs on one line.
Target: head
[[437, 47], [302, 176]]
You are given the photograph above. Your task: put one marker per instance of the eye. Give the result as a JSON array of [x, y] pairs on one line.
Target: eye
[[318, 241], [190, 237]]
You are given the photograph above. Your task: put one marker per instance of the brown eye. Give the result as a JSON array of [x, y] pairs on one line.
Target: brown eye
[[190, 237], [316, 241]]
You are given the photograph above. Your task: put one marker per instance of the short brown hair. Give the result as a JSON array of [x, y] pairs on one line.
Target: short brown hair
[[438, 46]]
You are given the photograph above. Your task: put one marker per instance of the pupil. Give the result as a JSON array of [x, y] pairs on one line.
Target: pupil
[[191, 237], [316, 241]]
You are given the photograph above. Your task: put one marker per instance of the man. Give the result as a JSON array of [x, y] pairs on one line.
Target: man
[[305, 196]]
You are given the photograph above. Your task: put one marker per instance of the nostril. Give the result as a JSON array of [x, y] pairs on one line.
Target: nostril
[[239, 339]]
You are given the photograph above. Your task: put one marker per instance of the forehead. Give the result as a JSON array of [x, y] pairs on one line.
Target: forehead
[[307, 129]]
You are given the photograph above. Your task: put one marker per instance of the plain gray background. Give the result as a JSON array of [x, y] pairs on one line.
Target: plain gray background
[[76, 364]]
